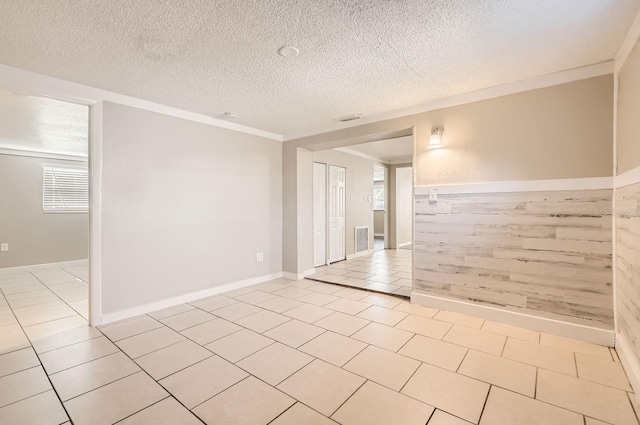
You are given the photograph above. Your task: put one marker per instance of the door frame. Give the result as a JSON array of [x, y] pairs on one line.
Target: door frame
[[326, 211], [39, 85]]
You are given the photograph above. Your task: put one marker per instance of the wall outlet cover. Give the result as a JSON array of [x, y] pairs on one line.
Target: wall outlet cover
[[259, 257], [4, 247]]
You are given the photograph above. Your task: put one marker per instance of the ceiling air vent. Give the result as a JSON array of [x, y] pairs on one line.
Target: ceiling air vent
[[348, 117]]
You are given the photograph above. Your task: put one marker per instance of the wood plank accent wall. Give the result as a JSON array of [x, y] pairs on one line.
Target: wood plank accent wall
[[545, 253], [628, 265]]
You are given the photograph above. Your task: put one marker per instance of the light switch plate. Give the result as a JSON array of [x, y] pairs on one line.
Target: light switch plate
[[433, 195]]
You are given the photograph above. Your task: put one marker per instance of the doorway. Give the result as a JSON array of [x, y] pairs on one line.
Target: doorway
[[44, 185], [365, 222]]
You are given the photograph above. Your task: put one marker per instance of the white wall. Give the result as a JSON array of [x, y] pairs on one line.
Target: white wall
[[186, 207], [33, 236], [404, 206]]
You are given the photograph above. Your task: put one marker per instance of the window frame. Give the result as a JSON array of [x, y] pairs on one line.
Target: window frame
[[74, 209]]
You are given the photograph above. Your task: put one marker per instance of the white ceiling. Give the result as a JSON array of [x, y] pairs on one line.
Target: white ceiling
[[358, 56], [390, 151], [38, 124]]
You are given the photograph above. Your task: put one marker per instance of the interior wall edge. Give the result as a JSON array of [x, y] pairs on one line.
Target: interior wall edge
[[298, 276], [629, 42], [627, 178], [629, 362]]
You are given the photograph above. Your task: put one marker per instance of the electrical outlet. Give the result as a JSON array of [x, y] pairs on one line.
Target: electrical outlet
[[4, 247], [259, 257]]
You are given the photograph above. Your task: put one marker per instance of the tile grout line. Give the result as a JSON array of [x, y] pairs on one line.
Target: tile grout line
[[104, 385], [462, 361], [27, 398], [41, 365], [535, 386], [486, 400], [58, 296], [79, 364], [156, 381]]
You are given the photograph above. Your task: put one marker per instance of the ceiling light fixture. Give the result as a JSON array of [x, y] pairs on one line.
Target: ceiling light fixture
[[349, 117], [434, 140], [288, 51]]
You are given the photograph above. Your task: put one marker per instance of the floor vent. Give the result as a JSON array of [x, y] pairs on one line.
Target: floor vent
[[362, 239]]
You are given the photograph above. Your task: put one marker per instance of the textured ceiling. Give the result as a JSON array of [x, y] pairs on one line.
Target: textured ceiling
[[43, 125], [392, 151], [358, 56]]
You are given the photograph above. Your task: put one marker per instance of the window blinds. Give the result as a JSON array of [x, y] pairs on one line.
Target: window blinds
[[65, 189]]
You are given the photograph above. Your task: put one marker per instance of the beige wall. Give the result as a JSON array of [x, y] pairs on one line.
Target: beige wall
[[378, 223], [33, 236], [359, 192], [627, 218], [186, 207], [556, 132], [305, 208], [628, 110], [404, 206]]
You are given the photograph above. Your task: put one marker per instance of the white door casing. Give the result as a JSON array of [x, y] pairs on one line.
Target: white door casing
[[319, 214], [337, 213]]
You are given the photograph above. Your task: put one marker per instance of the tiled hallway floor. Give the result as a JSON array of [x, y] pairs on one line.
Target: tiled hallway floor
[[300, 353], [388, 271]]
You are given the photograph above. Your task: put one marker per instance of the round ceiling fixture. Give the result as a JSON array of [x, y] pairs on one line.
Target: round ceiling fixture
[[288, 51]]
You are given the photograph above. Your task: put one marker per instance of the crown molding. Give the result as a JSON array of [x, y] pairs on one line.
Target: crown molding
[[16, 79], [42, 154], [549, 80]]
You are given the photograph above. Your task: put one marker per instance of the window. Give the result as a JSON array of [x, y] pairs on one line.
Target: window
[[65, 189], [378, 196]]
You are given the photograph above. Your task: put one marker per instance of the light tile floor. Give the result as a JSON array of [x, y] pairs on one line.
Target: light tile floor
[[388, 271], [294, 353]]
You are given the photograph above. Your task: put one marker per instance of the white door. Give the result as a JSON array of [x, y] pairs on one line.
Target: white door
[[319, 214], [337, 201]]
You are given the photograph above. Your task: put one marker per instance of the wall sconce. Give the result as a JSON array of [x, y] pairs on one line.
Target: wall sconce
[[434, 140]]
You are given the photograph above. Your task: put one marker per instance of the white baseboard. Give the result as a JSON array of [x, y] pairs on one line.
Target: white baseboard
[[536, 323], [58, 264], [359, 254], [181, 299], [628, 178], [404, 244], [378, 235], [298, 276], [630, 363]]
